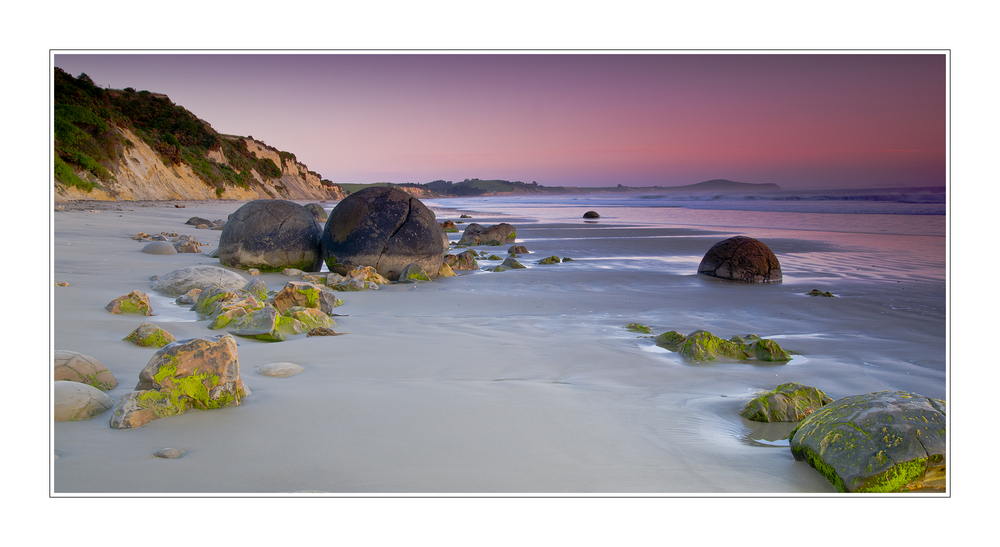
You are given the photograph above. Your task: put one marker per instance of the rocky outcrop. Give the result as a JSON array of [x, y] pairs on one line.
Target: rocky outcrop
[[878, 442], [702, 345], [141, 174], [497, 234]]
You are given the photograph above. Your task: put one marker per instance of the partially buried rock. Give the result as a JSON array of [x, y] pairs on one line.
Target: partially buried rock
[[77, 367], [198, 373], [265, 324], [462, 261], [413, 273], [742, 259], [159, 248], [497, 234], [73, 401], [183, 280], [550, 260], [271, 235], [518, 250], [509, 264], [878, 442], [445, 270], [591, 214], [702, 345], [384, 228], [323, 331], [195, 221], [151, 336], [135, 302], [817, 292], [788, 402], [280, 370], [169, 453]]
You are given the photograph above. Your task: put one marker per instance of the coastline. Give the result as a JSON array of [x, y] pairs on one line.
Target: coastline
[[518, 382]]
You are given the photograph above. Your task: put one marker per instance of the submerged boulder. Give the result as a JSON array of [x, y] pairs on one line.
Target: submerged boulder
[[788, 402], [271, 235], [76, 367], [878, 442], [384, 228], [742, 259], [199, 373], [702, 345], [181, 281]]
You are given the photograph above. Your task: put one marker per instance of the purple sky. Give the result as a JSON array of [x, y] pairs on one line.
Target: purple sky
[[798, 120]]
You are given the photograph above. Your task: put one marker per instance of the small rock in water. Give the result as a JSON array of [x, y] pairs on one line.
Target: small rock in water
[[169, 453]]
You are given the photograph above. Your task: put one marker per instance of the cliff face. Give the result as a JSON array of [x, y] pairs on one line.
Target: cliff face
[[141, 174]]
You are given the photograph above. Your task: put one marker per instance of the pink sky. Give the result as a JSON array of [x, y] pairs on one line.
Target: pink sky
[[800, 120]]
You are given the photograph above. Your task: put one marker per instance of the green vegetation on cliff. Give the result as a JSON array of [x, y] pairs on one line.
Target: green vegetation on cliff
[[86, 118]]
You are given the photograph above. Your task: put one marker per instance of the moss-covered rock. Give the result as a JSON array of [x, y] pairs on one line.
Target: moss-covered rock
[[550, 260], [413, 273], [788, 402], [817, 292], [465, 260], [310, 318], [641, 329], [149, 335], [198, 373], [446, 271], [702, 345], [135, 302], [878, 442], [509, 263]]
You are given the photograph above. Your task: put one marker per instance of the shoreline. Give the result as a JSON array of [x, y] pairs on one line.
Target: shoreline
[[496, 383]]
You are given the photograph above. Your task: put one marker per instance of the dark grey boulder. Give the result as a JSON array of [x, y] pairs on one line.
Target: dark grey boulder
[[195, 221], [271, 235], [878, 442], [741, 258], [591, 214], [385, 228]]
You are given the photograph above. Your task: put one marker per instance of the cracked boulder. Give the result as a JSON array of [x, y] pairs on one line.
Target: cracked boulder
[[384, 228], [741, 258], [877, 442], [271, 235]]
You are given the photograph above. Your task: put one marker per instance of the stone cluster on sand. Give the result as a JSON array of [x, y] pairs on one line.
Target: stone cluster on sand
[[742, 259], [199, 373], [702, 345]]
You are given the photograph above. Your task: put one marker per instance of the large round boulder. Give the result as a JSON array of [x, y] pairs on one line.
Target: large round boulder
[[878, 442], [271, 235], [72, 401], [181, 281], [77, 367], [385, 228], [741, 258]]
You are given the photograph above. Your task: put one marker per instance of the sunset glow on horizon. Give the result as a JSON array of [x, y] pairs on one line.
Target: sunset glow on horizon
[[800, 120]]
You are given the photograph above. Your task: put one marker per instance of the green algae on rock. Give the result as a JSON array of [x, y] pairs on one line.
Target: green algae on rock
[[136, 302], [702, 345], [789, 402], [150, 336], [877, 442], [641, 329], [550, 260], [198, 373]]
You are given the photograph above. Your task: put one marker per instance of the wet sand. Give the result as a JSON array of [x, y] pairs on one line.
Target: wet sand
[[521, 382]]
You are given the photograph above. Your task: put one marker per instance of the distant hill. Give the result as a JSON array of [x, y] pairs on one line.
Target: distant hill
[[127, 144], [722, 185]]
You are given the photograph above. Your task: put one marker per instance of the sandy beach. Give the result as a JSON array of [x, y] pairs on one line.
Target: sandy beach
[[521, 382]]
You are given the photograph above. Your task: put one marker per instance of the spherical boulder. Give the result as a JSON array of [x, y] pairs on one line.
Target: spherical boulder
[[385, 228], [160, 248], [74, 401], [591, 214], [742, 259], [271, 235]]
